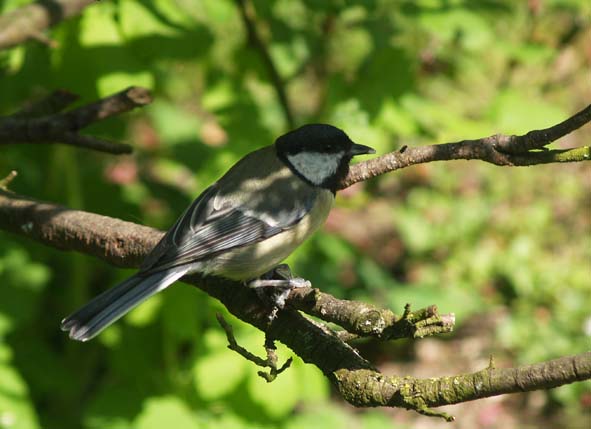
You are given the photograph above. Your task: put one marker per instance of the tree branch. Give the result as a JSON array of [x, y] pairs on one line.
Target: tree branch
[[368, 389], [54, 127], [125, 244], [248, 16], [53, 103], [365, 320], [514, 151], [30, 21]]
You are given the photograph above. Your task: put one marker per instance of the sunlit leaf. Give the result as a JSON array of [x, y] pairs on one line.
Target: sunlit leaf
[[166, 411], [16, 408], [319, 417], [216, 374]]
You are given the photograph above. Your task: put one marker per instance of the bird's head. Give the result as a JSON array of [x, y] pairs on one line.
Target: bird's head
[[319, 153]]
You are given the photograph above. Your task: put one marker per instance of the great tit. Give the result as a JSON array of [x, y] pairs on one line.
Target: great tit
[[240, 227]]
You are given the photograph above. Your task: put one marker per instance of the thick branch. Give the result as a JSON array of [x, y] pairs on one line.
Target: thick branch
[[63, 127], [367, 388], [249, 19], [124, 244], [498, 149], [30, 21]]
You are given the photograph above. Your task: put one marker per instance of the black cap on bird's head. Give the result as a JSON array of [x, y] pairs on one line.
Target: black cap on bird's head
[[319, 153], [322, 138]]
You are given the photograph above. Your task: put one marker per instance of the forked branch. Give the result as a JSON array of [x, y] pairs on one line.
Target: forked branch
[[125, 244], [44, 123], [513, 151]]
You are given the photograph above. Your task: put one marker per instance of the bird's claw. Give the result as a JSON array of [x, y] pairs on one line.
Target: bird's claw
[[274, 287]]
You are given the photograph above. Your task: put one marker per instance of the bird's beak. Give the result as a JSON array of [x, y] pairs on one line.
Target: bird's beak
[[359, 149]]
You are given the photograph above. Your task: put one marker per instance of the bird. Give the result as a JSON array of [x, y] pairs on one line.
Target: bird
[[240, 227]]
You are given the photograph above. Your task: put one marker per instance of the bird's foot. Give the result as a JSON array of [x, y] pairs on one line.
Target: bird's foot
[[274, 287]]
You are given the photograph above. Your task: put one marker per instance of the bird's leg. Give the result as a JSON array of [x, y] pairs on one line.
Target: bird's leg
[[275, 285]]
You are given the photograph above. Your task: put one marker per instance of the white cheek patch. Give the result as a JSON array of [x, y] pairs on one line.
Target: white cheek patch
[[314, 166]]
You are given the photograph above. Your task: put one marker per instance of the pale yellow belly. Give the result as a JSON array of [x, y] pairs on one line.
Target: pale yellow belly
[[254, 260]]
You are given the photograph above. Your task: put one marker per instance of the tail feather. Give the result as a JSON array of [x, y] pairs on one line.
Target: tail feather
[[111, 305]]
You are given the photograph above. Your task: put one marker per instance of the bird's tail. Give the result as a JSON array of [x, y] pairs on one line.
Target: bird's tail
[[111, 305]]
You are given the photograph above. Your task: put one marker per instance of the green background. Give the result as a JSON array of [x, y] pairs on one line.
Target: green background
[[507, 249]]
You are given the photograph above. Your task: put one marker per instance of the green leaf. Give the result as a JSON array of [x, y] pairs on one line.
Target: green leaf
[[335, 248], [174, 125], [166, 411], [113, 407], [116, 66], [218, 373], [99, 26], [9, 5], [16, 58], [357, 42], [377, 419], [327, 416], [374, 276], [137, 21], [22, 282], [288, 58], [16, 409], [180, 315], [315, 387], [472, 29], [517, 112], [228, 420], [145, 313]]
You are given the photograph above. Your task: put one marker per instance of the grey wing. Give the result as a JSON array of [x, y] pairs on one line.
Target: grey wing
[[203, 231], [169, 239]]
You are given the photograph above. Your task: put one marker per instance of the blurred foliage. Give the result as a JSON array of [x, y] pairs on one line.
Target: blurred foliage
[[473, 239]]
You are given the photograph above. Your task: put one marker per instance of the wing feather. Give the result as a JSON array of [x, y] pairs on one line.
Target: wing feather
[[202, 231]]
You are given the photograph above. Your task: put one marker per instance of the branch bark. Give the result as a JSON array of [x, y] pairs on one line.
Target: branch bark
[[125, 244], [502, 150], [41, 122], [247, 13], [30, 21]]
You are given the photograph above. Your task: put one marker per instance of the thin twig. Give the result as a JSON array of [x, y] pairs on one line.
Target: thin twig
[[7, 180], [485, 149], [116, 104], [270, 362], [63, 127], [96, 144], [53, 103], [249, 19]]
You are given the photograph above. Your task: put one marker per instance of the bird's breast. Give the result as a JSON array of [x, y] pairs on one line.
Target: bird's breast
[[256, 259]]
